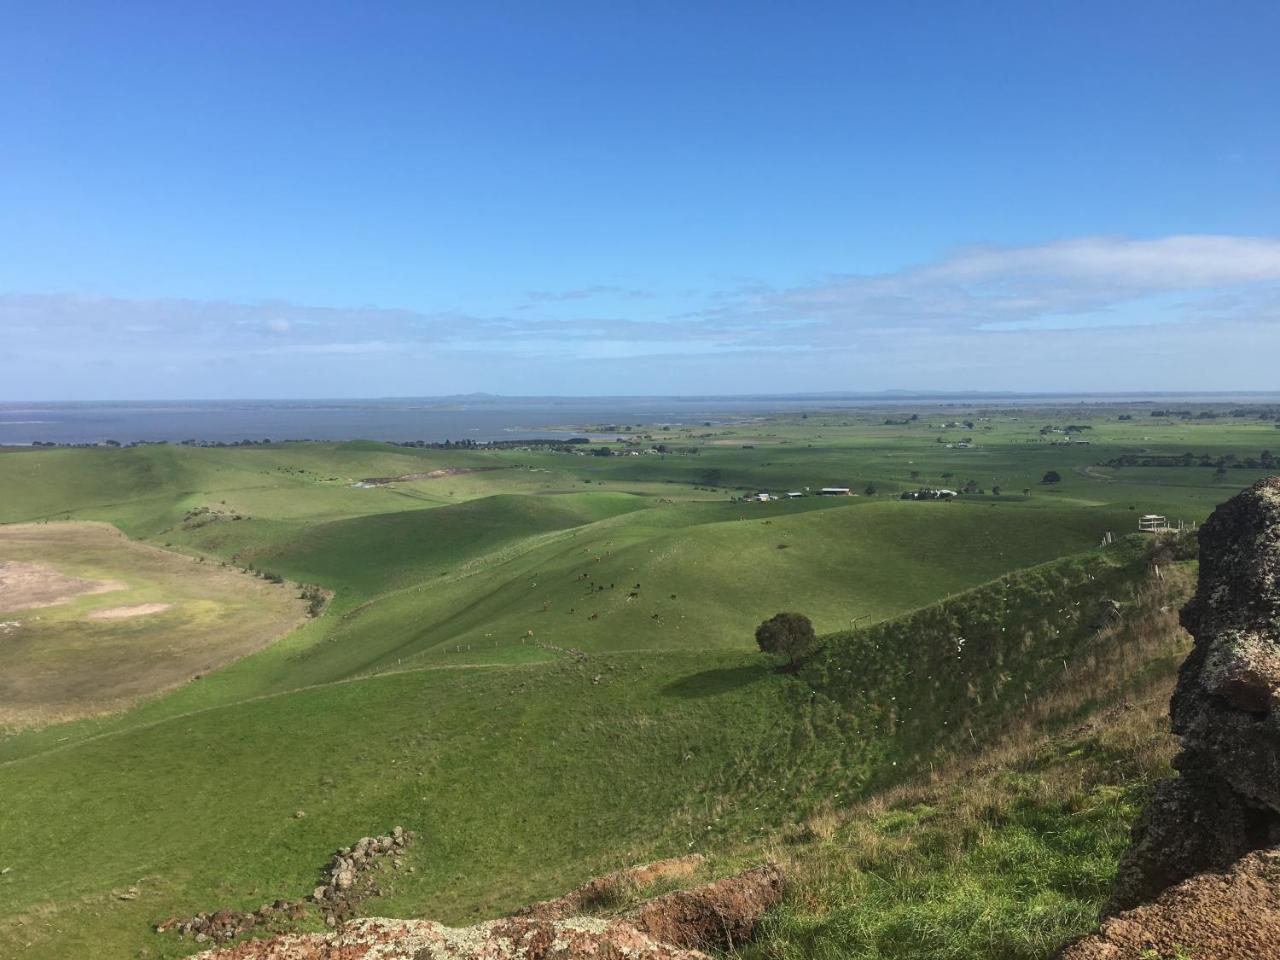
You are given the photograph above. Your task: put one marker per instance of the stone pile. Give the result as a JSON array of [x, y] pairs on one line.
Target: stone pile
[[349, 875], [348, 879], [224, 925]]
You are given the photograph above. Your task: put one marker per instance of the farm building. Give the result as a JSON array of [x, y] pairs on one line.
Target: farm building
[[928, 493], [794, 495], [834, 492]]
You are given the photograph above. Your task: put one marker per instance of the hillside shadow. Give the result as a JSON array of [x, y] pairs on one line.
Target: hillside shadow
[[709, 683]]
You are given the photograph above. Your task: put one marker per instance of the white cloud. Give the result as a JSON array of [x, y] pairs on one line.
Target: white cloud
[[1167, 263], [533, 297], [352, 347], [990, 287], [1063, 313]]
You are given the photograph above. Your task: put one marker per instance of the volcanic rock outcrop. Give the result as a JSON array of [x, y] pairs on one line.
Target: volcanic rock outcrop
[[516, 938], [600, 890], [721, 915], [677, 926], [1225, 803]]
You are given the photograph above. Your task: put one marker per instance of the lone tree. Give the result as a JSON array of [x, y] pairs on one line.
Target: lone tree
[[1052, 476], [787, 634]]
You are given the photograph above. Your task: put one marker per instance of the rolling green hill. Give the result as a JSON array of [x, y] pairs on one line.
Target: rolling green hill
[[700, 750], [545, 666]]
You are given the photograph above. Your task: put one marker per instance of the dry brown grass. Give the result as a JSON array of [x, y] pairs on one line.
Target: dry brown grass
[[126, 620]]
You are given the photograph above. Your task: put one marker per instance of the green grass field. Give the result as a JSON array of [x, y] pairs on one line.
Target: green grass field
[[435, 691]]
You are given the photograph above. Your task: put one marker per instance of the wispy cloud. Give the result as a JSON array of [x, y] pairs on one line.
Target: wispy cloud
[[977, 316], [993, 288], [538, 297]]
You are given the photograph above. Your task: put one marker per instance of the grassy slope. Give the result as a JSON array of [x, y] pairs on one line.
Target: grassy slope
[[1007, 855], [534, 776], [465, 582], [705, 584], [698, 751]]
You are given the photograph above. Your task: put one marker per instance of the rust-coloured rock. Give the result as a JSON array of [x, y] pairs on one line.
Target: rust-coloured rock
[[719, 915], [598, 889], [672, 927], [1213, 916], [514, 938]]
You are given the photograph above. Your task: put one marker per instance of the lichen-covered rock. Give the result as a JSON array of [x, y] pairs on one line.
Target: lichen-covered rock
[[514, 938], [1233, 915], [1226, 800], [722, 915]]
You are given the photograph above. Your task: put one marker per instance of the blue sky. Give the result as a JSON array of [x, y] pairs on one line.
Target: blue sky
[[364, 199]]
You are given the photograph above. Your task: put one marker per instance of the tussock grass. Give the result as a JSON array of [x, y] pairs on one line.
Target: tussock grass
[[1008, 853]]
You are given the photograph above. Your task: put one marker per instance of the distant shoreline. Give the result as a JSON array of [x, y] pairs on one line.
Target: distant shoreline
[[489, 418]]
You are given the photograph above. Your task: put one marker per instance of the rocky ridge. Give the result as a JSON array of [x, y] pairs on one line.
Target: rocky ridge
[[1225, 803], [677, 926], [1201, 877]]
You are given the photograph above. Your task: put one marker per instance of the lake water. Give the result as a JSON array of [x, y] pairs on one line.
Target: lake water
[[430, 420], [434, 420]]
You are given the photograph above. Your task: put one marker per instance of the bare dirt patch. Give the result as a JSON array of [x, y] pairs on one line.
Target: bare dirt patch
[[124, 613], [26, 585], [59, 662]]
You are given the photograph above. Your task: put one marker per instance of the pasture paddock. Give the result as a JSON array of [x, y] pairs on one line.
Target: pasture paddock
[[99, 621], [419, 697]]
